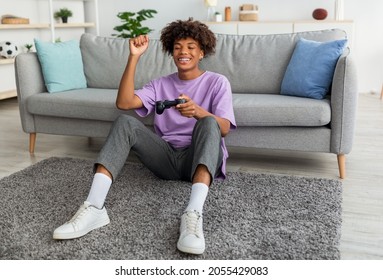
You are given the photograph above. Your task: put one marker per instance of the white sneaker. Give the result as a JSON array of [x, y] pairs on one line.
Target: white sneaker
[[191, 238], [86, 219]]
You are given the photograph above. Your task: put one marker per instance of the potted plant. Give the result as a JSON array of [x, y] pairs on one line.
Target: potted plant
[[132, 26], [218, 17], [63, 13], [28, 47]]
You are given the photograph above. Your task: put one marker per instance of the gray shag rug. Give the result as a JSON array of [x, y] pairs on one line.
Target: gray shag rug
[[247, 216]]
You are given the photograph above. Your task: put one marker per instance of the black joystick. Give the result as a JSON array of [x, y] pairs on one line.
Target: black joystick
[[162, 105]]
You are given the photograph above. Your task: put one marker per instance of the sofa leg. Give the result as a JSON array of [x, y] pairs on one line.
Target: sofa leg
[[342, 166], [32, 142]]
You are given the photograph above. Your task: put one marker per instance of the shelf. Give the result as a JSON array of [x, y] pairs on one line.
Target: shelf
[[7, 60], [7, 94], [75, 25], [46, 25], [281, 21], [24, 26], [281, 27]]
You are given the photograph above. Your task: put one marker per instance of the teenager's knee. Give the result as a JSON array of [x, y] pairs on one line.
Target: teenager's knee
[[207, 121], [208, 124]]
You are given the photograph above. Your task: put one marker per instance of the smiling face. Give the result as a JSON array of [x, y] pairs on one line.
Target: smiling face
[[186, 54]]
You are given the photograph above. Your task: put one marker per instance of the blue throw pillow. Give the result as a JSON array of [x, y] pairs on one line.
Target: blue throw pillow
[[311, 68], [61, 64]]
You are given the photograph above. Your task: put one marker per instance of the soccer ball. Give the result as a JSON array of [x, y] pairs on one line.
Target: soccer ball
[[8, 49]]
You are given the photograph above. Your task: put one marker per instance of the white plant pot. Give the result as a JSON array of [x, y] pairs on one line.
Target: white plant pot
[[218, 18]]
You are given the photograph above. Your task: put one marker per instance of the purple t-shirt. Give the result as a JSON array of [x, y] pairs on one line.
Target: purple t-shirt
[[211, 91]]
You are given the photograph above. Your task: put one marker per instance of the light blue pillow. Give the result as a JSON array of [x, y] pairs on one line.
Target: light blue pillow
[[61, 64], [311, 68]]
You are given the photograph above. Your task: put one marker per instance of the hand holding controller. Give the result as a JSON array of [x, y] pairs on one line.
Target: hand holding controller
[[162, 105]]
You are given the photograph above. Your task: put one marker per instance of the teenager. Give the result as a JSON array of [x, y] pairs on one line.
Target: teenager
[[188, 143]]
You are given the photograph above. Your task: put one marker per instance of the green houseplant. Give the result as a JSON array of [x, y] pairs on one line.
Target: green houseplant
[[28, 47], [64, 14], [132, 26]]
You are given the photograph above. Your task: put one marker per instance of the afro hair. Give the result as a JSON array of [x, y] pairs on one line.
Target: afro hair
[[182, 29]]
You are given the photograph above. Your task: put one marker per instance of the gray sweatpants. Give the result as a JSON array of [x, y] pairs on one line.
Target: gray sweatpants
[[166, 162]]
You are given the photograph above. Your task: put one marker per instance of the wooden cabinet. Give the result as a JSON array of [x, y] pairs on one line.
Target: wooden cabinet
[[42, 25]]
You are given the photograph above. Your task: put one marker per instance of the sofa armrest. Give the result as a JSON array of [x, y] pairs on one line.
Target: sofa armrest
[[344, 97], [29, 81]]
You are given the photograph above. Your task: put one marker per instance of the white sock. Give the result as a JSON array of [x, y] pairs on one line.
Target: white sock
[[197, 197], [99, 190]]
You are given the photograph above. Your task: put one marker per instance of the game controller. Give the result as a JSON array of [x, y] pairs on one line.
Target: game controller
[[162, 105]]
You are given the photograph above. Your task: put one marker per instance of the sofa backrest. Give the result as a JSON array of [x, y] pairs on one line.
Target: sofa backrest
[[257, 63], [105, 59], [252, 63]]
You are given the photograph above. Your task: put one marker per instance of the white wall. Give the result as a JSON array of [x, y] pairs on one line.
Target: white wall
[[367, 15]]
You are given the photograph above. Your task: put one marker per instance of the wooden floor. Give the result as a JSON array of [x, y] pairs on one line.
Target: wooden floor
[[362, 230]]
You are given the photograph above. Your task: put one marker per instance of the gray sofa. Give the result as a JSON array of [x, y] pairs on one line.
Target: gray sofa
[[255, 66]]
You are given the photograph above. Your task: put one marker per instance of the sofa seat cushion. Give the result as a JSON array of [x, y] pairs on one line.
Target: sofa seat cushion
[[249, 109], [280, 110], [89, 103]]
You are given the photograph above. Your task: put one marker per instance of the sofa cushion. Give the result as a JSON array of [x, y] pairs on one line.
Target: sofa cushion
[[89, 104], [311, 68], [61, 64], [280, 110], [257, 63], [105, 60], [250, 62], [249, 110]]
